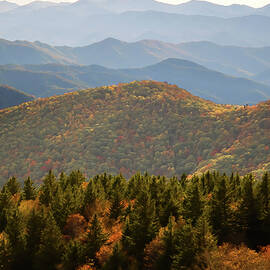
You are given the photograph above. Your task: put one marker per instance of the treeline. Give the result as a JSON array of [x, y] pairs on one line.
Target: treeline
[[212, 221]]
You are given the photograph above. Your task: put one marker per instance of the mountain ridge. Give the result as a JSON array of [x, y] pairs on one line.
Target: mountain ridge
[[108, 129], [113, 53], [54, 79]]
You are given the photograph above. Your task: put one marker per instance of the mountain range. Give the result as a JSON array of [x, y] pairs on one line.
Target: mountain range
[[54, 79], [144, 19], [113, 53], [193, 7], [141, 126], [10, 96]]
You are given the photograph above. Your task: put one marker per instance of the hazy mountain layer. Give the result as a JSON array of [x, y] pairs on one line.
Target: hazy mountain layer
[[55, 26], [236, 61], [10, 96], [193, 7], [48, 80]]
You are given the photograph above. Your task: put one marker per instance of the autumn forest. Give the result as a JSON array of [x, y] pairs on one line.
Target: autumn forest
[[212, 221]]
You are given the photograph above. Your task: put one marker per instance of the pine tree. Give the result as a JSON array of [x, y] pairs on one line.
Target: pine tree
[[219, 211], [185, 248], [141, 226], [48, 189], [5, 204], [76, 178], [51, 246], [117, 206], [34, 228], [263, 198], [73, 256], [192, 205], [95, 239], [16, 236], [13, 186], [248, 214], [29, 190]]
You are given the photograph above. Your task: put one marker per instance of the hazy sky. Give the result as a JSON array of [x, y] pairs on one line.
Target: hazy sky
[[254, 3]]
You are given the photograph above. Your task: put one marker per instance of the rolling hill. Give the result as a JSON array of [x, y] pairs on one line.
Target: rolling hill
[[48, 80], [113, 53], [10, 96], [133, 127]]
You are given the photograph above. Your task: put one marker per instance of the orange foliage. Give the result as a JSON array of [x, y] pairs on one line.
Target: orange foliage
[[107, 249], [228, 257], [86, 267], [75, 226], [153, 251]]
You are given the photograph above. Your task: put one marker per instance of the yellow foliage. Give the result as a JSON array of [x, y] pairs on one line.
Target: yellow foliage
[[227, 257]]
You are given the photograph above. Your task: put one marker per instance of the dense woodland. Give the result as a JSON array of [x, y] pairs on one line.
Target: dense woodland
[[212, 221], [141, 126]]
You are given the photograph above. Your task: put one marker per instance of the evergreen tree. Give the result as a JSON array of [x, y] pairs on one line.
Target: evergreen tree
[[117, 206], [48, 189], [248, 217], [13, 186], [5, 204], [29, 190], [192, 205], [141, 226], [185, 248], [76, 178], [51, 246], [34, 228], [95, 239], [15, 231], [219, 210], [73, 256], [263, 198]]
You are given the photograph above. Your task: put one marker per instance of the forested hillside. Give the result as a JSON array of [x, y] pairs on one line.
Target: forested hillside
[[10, 96], [141, 126], [145, 223]]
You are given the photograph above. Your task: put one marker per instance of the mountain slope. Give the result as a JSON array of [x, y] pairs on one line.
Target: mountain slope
[[133, 127], [23, 52], [48, 80], [263, 77], [39, 84], [10, 96]]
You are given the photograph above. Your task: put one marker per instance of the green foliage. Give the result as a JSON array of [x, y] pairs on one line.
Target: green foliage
[[51, 246], [95, 239], [146, 222], [29, 190]]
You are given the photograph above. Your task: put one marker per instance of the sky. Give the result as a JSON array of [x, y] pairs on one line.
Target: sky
[[253, 3]]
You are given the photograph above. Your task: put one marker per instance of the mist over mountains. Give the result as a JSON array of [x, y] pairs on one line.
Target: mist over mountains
[[88, 21], [113, 53], [187, 44], [54, 79]]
